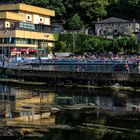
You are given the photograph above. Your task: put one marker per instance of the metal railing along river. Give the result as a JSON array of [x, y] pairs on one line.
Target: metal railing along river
[[81, 66]]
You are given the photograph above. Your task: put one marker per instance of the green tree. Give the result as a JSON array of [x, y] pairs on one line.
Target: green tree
[[89, 45], [124, 8], [61, 46], [115, 47], [59, 8], [72, 7], [93, 45], [74, 23], [94, 9], [40, 3], [134, 7], [128, 43]]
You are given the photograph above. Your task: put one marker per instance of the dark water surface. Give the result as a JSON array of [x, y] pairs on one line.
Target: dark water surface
[[71, 114]]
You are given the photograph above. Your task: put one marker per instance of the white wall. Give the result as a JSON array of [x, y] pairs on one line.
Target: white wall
[[29, 17], [36, 19], [47, 21]]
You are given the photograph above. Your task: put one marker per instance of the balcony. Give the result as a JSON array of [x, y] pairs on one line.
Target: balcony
[[34, 28]]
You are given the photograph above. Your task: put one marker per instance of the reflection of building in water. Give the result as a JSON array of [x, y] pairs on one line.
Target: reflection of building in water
[[6, 94], [24, 105], [29, 116], [120, 103], [105, 102], [65, 100], [35, 107], [71, 100], [2, 114], [139, 67], [14, 94]]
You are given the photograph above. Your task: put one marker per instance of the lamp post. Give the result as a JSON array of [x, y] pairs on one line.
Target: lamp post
[[2, 57], [73, 42], [3, 61], [8, 55], [46, 50], [8, 48], [7, 41]]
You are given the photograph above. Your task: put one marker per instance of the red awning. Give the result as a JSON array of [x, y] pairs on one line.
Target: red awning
[[23, 50], [14, 50], [32, 50]]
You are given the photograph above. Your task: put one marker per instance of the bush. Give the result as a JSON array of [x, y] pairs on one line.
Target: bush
[[81, 43]]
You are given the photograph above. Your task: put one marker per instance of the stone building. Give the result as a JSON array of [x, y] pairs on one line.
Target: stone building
[[112, 26]]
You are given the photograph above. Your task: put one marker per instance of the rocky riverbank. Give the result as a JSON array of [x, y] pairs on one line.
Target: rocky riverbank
[[13, 132]]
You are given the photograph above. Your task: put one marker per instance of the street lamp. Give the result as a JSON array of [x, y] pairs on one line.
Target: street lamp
[[8, 41], [73, 38]]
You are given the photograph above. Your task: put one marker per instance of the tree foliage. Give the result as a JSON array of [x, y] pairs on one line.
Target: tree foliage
[[81, 43], [94, 8], [74, 23], [88, 10]]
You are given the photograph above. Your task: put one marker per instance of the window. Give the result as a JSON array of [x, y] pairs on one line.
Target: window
[[29, 17], [27, 25], [6, 40], [1, 40], [12, 24], [47, 21], [41, 19], [7, 24], [29, 41], [25, 41]]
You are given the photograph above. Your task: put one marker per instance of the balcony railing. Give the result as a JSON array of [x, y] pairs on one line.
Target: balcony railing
[[34, 28]]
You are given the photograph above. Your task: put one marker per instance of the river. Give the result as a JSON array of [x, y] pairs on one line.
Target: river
[[70, 113]]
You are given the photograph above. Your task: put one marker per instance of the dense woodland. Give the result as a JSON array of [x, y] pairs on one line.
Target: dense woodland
[[77, 14]]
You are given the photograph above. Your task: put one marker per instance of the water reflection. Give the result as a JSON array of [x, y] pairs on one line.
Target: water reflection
[[32, 108], [21, 106]]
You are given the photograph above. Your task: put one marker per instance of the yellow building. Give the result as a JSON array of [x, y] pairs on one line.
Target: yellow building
[[24, 28]]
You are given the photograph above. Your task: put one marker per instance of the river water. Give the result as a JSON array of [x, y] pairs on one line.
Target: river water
[[70, 113]]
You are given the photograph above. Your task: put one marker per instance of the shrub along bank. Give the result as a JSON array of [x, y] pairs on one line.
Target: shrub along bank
[[81, 43]]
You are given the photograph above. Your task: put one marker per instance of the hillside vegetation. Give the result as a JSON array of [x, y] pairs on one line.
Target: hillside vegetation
[[76, 14]]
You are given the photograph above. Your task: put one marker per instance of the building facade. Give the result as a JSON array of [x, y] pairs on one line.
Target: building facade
[[24, 29], [112, 26]]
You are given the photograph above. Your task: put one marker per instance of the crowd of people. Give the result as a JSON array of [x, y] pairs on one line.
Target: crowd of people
[[85, 58], [102, 58]]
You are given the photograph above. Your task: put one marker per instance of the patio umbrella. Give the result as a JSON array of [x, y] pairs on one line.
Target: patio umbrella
[[23, 50], [14, 50], [32, 50]]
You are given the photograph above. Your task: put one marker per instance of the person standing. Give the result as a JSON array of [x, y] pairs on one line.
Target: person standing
[[126, 67], [3, 63]]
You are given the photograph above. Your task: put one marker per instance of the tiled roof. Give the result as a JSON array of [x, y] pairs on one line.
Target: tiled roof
[[113, 20]]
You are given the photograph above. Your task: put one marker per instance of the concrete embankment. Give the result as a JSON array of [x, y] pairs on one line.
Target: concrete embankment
[[62, 78]]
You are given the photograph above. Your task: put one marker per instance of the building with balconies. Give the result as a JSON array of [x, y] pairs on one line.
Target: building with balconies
[[25, 28]]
